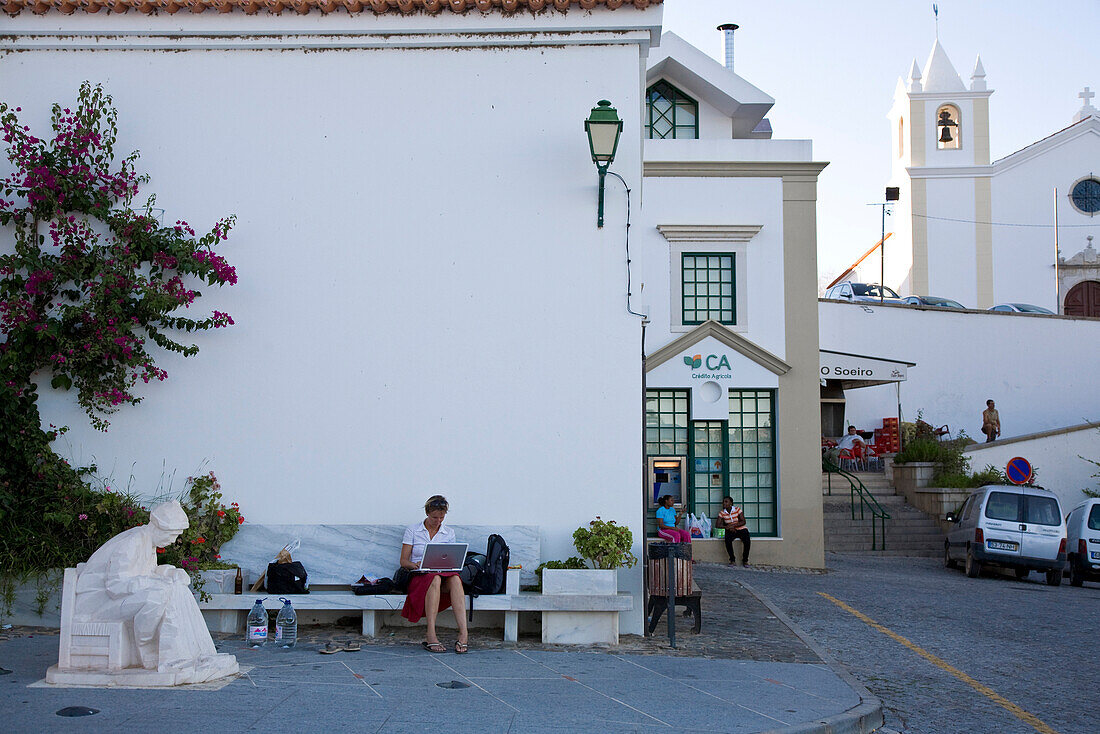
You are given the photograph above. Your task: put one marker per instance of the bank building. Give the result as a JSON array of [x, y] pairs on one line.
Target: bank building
[[428, 302]]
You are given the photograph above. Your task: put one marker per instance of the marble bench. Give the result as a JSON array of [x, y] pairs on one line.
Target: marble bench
[[335, 556], [225, 612]]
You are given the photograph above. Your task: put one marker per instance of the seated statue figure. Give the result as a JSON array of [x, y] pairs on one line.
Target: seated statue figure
[[145, 613]]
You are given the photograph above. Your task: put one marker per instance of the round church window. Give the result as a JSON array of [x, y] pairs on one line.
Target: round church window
[[1086, 195]]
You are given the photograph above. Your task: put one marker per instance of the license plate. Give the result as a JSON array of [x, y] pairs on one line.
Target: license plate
[[1001, 545]]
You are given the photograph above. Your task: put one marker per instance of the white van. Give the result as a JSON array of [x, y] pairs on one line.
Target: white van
[[1083, 542], [1014, 527]]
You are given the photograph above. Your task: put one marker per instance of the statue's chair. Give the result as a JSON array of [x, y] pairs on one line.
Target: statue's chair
[[88, 645]]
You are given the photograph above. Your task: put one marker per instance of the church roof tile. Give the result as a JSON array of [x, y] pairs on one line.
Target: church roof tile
[[251, 7]]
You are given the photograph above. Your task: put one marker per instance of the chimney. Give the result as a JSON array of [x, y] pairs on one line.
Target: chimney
[[728, 29]]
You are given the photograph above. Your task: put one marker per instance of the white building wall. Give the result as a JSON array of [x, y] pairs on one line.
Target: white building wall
[[1023, 257], [717, 201], [1058, 460], [951, 261], [425, 303], [1038, 369]]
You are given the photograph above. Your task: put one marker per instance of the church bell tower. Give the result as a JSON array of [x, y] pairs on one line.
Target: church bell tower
[[940, 134]]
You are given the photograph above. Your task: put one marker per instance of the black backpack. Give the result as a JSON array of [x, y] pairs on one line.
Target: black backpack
[[471, 570], [497, 558]]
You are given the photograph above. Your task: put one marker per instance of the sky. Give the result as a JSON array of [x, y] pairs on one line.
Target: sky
[[832, 68]]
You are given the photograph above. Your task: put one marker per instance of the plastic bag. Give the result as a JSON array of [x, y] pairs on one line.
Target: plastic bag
[[695, 526], [705, 525]]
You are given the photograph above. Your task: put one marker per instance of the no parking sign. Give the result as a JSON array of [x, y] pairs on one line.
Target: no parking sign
[[1018, 470]]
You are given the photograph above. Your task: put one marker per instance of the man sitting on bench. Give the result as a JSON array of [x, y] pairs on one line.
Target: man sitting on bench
[[732, 519]]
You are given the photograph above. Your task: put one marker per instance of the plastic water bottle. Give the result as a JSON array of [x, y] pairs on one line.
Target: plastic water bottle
[[257, 624], [286, 625]]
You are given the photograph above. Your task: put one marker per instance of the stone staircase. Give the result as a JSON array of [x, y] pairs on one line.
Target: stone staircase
[[909, 532]]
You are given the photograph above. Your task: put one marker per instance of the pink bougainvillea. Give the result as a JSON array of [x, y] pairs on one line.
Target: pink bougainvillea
[[93, 288]]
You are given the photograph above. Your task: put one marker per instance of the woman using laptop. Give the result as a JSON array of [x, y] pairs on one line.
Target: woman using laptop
[[430, 592]]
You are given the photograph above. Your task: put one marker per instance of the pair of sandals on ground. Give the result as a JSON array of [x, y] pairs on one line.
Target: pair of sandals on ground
[[331, 648], [460, 647]]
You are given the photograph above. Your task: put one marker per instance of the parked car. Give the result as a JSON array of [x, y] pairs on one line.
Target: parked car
[[1021, 308], [862, 292], [934, 301], [1083, 542], [1021, 528]]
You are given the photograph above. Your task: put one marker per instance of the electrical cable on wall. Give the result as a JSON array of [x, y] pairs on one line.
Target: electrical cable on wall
[[628, 286], [1002, 224]]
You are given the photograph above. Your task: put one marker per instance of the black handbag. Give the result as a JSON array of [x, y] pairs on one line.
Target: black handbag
[[286, 578], [401, 579], [363, 587]]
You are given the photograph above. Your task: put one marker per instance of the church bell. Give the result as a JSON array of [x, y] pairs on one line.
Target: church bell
[[946, 123]]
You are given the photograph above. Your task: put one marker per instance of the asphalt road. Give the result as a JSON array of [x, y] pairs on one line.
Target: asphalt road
[[1025, 646]]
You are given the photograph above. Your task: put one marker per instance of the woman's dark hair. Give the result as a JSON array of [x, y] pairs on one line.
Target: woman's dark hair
[[436, 502], [665, 497]]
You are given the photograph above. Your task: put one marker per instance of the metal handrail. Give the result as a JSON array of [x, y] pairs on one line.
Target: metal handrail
[[866, 500]]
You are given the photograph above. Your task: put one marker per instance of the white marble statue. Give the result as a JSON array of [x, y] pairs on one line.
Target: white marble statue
[[125, 620]]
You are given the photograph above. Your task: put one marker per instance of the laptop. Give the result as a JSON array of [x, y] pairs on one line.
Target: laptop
[[444, 556]]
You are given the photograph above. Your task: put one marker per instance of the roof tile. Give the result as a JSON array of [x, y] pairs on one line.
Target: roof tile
[[251, 7]]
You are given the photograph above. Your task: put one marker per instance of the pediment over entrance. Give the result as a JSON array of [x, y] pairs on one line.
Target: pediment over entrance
[[725, 337]]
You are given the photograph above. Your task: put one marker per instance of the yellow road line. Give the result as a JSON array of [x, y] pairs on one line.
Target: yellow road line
[[944, 665]]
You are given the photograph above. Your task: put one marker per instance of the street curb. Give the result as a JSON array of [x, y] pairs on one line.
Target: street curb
[[862, 719]]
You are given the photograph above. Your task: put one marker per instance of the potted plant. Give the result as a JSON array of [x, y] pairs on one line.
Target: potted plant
[[603, 544]]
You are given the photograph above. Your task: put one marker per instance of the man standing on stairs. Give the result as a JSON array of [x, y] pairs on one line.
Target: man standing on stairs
[[991, 422], [732, 520]]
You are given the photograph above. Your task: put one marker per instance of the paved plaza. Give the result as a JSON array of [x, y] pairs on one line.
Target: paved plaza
[[748, 671]]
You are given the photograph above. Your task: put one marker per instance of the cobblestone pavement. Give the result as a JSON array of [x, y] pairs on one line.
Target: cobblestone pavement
[[736, 626], [1034, 645]]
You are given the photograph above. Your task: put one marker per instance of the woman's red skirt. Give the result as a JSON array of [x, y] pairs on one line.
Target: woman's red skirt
[[418, 589]]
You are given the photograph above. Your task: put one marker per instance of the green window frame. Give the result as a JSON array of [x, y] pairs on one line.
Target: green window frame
[[751, 467], [670, 114], [708, 287], [666, 433]]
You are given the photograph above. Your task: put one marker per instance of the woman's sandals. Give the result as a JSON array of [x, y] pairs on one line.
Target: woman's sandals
[[433, 646], [331, 648], [461, 648]]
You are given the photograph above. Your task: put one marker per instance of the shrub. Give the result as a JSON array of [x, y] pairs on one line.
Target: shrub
[[91, 290], [605, 544]]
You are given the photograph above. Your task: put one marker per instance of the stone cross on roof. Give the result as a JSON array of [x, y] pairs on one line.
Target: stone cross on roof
[[1087, 109]]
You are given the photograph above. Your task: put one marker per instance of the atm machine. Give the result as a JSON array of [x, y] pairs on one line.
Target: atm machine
[[666, 476]]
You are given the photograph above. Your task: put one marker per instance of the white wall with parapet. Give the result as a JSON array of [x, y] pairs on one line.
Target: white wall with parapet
[[1038, 369], [1023, 257], [733, 149], [425, 303], [1056, 458]]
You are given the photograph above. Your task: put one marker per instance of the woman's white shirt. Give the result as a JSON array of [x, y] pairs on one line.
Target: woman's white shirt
[[418, 536]]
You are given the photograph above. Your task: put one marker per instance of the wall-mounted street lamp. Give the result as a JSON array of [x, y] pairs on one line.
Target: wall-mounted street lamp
[[603, 127]]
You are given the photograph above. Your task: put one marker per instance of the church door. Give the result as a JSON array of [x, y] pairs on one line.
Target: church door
[[1083, 299]]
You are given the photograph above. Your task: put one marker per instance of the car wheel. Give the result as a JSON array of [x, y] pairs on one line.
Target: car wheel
[[1021, 573], [948, 561], [1076, 578], [973, 565], [1054, 577]]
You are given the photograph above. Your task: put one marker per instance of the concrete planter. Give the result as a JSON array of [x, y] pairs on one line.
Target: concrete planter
[[580, 628], [888, 467], [219, 581], [912, 476], [938, 501]]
